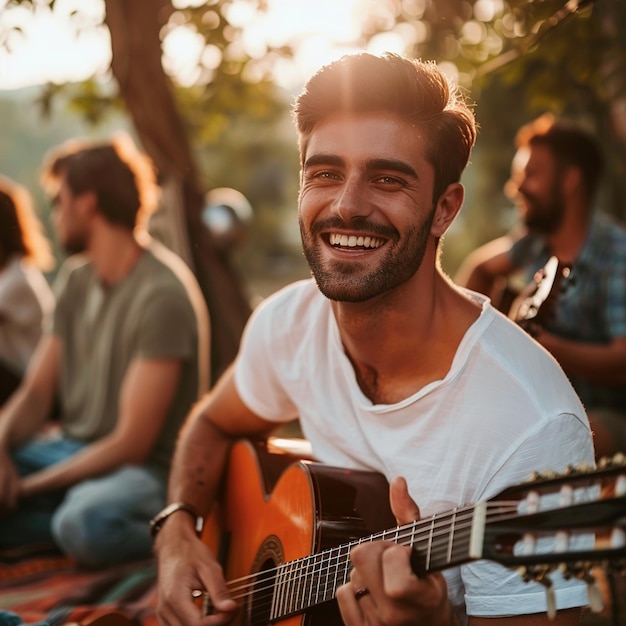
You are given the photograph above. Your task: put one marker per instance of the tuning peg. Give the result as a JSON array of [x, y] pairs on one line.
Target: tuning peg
[[619, 458], [545, 475], [593, 592], [583, 571], [540, 575], [550, 597], [584, 467]]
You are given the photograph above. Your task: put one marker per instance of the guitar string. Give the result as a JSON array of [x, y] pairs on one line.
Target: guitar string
[[268, 580], [316, 575], [408, 534], [264, 602], [404, 532]]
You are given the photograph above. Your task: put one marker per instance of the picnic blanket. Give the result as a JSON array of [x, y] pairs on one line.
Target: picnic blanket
[[46, 588]]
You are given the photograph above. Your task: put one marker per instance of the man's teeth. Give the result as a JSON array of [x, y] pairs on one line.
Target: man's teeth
[[352, 241]]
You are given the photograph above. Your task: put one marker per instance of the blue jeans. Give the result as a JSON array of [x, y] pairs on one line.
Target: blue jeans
[[99, 521]]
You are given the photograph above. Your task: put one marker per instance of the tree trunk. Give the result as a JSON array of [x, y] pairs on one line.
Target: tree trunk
[[136, 65], [614, 68]]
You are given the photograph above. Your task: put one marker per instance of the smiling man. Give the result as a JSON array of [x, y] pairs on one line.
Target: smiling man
[[387, 364], [368, 257]]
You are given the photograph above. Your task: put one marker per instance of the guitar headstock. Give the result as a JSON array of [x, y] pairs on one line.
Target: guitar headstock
[[572, 522]]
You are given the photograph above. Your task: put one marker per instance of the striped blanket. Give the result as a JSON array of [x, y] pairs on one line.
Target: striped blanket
[[46, 588]]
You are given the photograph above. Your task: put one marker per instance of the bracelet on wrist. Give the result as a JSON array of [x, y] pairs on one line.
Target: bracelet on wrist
[[156, 523]]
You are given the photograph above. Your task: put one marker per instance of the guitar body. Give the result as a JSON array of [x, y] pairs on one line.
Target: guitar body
[[278, 509], [535, 304]]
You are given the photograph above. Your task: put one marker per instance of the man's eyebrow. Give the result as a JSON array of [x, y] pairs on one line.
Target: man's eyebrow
[[323, 159], [393, 165]]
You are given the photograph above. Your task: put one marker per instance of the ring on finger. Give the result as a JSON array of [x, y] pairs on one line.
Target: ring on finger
[[360, 592]]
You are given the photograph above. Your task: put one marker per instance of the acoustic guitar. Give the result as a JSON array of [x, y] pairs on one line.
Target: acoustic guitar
[[534, 306], [286, 527]]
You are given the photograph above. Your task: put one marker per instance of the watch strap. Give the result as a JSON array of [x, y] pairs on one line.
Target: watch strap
[[158, 520]]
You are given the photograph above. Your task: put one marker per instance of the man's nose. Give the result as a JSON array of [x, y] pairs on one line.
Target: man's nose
[[352, 199]]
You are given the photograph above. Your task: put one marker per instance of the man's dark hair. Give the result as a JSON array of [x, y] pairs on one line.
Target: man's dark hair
[[416, 90], [571, 146], [120, 176]]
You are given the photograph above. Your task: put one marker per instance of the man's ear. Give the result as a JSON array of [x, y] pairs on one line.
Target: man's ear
[[448, 207], [572, 180], [88, 202]]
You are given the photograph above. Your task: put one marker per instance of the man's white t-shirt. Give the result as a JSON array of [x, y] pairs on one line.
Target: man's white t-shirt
[[504, 410]]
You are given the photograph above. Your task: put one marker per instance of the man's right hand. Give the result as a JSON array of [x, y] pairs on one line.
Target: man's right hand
[[186, 564]]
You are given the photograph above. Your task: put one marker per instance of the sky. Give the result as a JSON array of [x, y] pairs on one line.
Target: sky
[[58, 47]]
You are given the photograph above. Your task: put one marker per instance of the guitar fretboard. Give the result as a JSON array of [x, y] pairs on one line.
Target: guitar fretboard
[[439, 543]]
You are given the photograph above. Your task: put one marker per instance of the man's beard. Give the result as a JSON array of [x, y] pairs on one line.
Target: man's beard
[[545, 217], [347, 281], [74, 245]]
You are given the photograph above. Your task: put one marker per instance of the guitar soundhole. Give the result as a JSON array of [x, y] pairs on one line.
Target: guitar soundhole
[[259, 608]]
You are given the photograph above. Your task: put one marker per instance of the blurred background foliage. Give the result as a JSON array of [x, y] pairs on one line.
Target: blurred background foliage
[[229, 125]]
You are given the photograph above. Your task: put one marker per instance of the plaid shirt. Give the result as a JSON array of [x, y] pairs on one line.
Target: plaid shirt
[[591, 303]]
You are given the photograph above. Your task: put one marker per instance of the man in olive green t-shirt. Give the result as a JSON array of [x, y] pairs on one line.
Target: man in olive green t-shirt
[[127, 356]]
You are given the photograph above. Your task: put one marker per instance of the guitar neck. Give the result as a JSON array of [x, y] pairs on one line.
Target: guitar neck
[[438, 543]]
